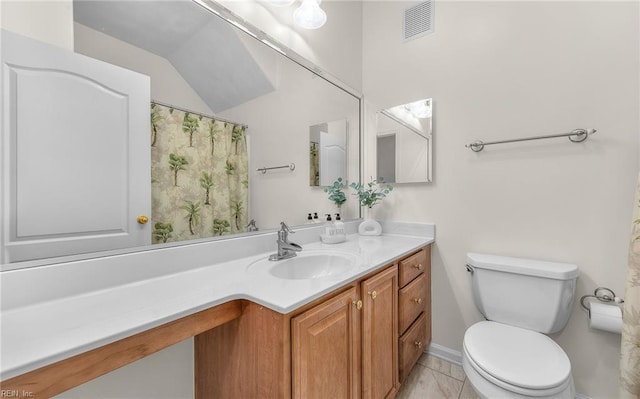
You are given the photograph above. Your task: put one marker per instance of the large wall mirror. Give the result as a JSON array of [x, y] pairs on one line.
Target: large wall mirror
[[225, 89], [403, 142]]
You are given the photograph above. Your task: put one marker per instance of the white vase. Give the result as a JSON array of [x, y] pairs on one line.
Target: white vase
[[370, 227]]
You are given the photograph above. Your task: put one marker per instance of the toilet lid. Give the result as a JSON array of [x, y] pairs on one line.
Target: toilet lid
[[518, 357]]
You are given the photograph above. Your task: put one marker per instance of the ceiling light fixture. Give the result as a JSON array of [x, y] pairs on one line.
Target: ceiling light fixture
[[309, 15]]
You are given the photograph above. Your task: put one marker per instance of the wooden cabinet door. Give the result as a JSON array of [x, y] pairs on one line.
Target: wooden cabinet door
[[76, 154], [380, 335], [325, 349]]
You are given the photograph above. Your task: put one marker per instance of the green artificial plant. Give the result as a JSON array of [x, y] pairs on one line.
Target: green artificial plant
[[336, 195], [372, 193]]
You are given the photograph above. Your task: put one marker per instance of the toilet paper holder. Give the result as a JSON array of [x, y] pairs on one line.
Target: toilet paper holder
[[602, 294]]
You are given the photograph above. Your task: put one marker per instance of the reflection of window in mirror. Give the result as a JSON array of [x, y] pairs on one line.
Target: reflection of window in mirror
[[329, 160], [404, 142]]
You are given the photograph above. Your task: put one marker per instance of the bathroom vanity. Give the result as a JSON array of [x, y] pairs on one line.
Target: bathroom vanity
[[356, 333], [359, 341]]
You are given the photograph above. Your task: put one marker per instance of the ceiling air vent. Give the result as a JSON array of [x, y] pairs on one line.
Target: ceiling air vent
[[418, 20]]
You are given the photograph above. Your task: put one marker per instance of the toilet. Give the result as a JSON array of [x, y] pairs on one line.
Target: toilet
[[509, 355]]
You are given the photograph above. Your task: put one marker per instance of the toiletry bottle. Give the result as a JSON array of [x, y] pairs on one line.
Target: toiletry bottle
[[329, 228], [309, 219], [339, 225], [315, 217]]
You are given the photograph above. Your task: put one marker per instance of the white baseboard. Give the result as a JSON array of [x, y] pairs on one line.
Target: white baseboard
[[444, 353], [453, 356]]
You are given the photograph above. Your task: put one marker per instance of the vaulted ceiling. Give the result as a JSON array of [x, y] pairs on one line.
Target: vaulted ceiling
[[203, 48]]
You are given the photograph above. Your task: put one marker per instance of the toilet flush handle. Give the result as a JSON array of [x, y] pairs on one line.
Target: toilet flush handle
[[470, 269]]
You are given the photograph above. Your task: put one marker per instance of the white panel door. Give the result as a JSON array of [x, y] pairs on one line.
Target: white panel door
[[75, 139]]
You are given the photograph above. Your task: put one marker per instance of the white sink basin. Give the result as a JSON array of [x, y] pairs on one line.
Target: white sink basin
[[307, 265]]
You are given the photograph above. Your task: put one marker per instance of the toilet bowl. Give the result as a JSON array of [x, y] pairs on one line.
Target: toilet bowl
[[509, 355], [503, 361]]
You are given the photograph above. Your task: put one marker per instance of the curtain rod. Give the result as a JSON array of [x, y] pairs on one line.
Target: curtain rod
[[199, 113]]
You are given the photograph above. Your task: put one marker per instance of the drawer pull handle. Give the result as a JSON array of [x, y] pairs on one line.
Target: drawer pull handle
[[418, 344], [417, 300], [357, 304], [373, 294], [418, 266]]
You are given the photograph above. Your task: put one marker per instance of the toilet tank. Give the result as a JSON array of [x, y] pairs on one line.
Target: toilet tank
[[527, 293]]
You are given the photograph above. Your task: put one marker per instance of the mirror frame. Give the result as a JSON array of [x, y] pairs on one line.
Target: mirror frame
[[217, 10]]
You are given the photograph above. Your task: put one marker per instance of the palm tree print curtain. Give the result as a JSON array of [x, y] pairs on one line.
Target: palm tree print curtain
[[630, 344], [199, 176]]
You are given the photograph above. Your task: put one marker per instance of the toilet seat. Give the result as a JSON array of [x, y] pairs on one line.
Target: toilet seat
[[518, 360]]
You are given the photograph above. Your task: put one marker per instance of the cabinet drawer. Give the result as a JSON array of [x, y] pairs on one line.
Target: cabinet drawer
[[412, 301], [412, 267], [412, 345]]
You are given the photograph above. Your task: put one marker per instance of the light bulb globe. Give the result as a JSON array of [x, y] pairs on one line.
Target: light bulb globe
[[309, 15]]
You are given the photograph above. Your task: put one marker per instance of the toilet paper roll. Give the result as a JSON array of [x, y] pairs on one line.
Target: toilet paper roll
[[606, 317]]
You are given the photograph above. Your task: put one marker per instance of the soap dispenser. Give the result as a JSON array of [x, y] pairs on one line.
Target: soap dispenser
[[329, 228], [339, 225]]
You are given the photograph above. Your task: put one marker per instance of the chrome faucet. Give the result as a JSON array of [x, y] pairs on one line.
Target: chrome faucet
[[252, 226], [286, 249]]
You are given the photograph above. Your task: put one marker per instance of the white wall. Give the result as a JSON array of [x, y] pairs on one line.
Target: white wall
[[48, 21], [500, 70]]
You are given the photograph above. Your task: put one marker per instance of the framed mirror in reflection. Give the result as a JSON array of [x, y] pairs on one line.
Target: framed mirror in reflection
[[224, 104], [403, 142], [328, 152]]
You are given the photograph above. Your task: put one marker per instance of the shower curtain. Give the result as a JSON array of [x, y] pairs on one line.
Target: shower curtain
[[630, 346], [199, 176]]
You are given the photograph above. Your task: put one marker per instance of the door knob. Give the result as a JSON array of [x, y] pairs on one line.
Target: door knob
[[142, 219], [373, 294]]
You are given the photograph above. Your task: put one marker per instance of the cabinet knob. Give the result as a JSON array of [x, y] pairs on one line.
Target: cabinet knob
[[418, 266], [142, 219], [417, 300], [373, 294], [418, 344], [357, 304]]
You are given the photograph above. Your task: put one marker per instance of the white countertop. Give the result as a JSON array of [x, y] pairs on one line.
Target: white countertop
[[43, 332]]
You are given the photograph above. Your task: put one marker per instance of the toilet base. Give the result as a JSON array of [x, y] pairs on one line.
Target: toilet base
[[487, 390]]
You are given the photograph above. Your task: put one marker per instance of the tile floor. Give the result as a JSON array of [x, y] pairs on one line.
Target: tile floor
[[435, 378]]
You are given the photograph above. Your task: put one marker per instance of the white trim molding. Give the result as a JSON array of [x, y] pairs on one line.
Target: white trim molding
[[444, 353]]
